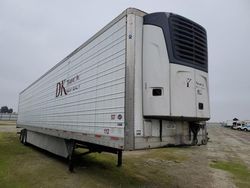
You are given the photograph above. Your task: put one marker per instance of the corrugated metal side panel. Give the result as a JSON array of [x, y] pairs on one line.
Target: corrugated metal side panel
[[94, 83]]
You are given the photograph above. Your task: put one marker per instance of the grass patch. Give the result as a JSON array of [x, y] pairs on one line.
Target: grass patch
[[240, 172], [26, 166], [168, 154]]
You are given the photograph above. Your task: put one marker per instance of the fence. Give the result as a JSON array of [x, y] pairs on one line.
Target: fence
[[8, 117]]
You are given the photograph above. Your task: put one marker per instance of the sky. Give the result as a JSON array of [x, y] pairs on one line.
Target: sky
[[35, 35]]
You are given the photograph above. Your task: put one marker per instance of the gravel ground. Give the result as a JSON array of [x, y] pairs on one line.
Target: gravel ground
[[224, 144], [227, 145]]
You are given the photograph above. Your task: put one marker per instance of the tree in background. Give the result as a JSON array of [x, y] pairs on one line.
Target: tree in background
[[5, 109]]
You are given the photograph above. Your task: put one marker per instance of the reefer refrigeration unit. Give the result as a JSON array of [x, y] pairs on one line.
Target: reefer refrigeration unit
[[140, 82]]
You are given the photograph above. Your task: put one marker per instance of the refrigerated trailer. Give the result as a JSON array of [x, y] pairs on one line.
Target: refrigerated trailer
[[140, 82]]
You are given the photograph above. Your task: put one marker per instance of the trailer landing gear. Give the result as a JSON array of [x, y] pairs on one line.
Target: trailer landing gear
[[72, 156], [71, 147], [119, 156]]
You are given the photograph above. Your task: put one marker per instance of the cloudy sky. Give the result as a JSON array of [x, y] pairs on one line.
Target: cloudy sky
[[35, 35]]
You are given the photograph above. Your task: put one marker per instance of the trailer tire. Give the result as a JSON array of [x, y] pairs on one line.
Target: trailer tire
[[23, 136], [204, 141], [25, 139]]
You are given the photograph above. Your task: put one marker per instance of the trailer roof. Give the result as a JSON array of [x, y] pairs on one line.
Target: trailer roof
[[134, 11]]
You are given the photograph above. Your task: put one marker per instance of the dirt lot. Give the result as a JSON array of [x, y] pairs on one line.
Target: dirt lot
[[8, 126], [224, 162]]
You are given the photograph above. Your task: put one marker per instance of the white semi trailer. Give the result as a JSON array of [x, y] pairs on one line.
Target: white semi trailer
[[140, 82]]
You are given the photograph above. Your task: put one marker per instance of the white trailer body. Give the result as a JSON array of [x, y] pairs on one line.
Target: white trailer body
[[140, 82]]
